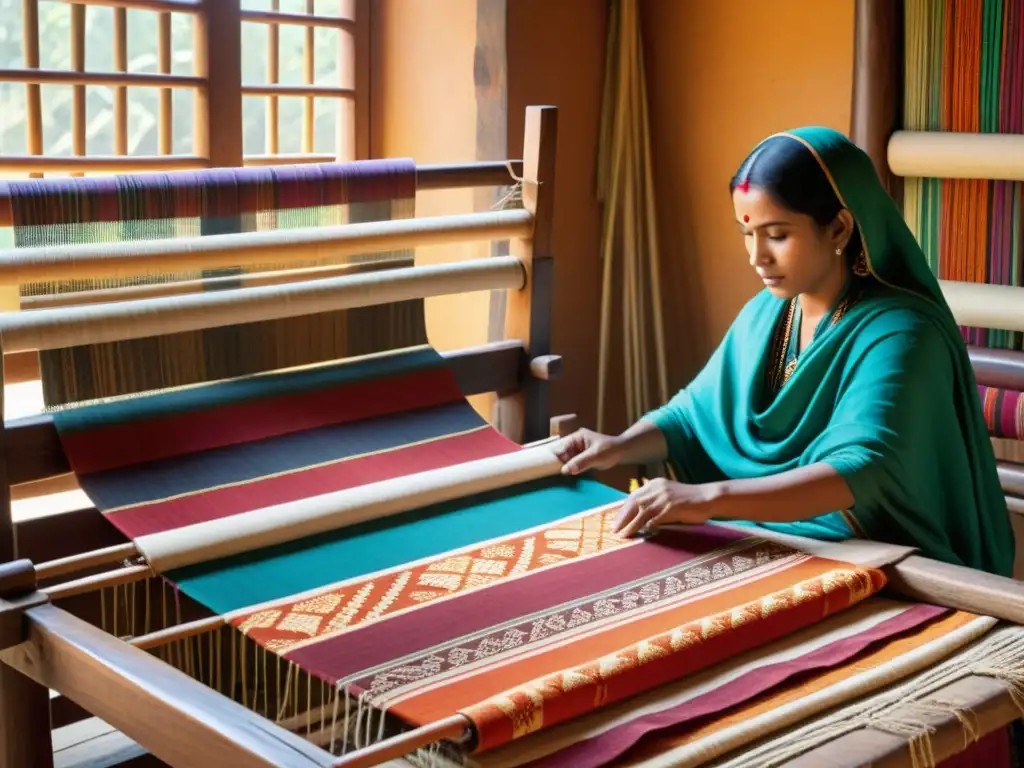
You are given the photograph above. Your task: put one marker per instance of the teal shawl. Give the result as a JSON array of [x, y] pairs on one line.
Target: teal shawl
[[886, 396]]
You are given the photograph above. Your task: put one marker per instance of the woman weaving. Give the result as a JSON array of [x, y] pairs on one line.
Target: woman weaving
[[841, 403]]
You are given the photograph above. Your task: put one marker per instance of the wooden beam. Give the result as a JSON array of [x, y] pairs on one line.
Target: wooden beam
[[217, 52], [878, 82], [452, 176], [523, 416], [34, 452], [177, 719]]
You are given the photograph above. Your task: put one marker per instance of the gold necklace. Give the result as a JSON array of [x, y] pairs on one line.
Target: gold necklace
[[780, 347]]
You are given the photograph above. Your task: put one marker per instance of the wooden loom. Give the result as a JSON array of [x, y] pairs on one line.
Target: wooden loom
[[180, 720]]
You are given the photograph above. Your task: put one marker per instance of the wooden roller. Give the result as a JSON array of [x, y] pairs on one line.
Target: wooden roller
[[185, 254], [98, 323], [982, 305], [248, 531], [949, 155]]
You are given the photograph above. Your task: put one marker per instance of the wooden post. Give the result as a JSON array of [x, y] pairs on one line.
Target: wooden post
[[24, 704], [217, 39], [523, 415], [878, 83]]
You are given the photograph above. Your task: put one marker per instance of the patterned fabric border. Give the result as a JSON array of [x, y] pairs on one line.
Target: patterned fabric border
[[328, 613]]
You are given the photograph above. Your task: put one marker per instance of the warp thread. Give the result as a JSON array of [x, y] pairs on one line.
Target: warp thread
[[906, 709]]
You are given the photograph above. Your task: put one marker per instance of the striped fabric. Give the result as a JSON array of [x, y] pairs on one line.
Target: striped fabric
[[1004, 412], [178, 458], [692, 710], [56, 212], [524, 651], [964, 65], [518, 608]]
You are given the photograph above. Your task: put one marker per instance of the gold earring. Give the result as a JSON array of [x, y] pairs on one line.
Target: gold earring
[[839, 251], [860, 265]]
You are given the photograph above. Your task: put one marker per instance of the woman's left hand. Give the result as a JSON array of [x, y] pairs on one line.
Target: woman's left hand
[[661, 502]]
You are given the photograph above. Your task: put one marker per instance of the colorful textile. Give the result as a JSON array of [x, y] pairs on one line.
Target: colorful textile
[[673, 712], [532, 649], [886, 395], [309, 618], [963, 72], [804, 696], [165, 461], [60, 212], [1004, 412]]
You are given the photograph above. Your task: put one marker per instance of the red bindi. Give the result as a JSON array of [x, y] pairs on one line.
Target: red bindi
[[745, 218]]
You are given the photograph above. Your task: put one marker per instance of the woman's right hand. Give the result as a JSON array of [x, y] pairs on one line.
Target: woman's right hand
[[585, 450]]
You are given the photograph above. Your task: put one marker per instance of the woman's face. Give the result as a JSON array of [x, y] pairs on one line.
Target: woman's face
[[788, 250]]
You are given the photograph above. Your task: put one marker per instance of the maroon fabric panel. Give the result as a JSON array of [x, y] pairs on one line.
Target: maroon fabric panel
[[612, 744], [344, 655]]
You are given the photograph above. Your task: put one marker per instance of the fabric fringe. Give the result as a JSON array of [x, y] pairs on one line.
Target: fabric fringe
[[908, 709], [228, 661]]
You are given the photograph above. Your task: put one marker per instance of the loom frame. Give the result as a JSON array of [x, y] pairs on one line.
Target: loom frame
[[170, 712], [49, 646]]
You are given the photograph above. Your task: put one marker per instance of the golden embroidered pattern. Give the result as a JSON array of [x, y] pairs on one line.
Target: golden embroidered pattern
[[291, 624], [522, 709]]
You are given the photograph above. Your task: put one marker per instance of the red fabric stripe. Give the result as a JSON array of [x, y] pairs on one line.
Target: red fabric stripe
[[224, 502], [121, 445]]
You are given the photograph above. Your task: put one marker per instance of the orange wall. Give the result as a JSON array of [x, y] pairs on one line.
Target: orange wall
[[423, 106], [556, 53], [722, 75]]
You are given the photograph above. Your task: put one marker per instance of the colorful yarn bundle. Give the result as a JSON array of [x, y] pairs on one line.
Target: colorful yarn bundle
[[964, 72]]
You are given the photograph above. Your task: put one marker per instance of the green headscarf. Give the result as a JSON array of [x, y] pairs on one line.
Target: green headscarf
[[886, 395]]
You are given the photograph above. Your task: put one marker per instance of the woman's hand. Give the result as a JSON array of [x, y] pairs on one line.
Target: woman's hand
[[585, 449], [661, 502]]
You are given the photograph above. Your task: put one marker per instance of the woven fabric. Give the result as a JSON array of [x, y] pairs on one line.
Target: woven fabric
[[877, 666], [705, 700], [964, 65], [527, 651], [1004, 412], [57, 212], [174, 459]]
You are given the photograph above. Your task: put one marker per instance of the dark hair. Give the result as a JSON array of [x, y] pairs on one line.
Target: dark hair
[[785, 169]]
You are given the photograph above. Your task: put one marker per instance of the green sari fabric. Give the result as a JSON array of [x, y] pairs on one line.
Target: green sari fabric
[[886, 396]]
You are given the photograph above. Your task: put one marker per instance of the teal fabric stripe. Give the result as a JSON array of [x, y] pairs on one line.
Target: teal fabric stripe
[[265, 386], [289, 569]]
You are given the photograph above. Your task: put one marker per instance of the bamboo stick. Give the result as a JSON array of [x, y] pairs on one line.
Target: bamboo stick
[[120, 259], [35, 77], [74, 563], [95, 324]]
